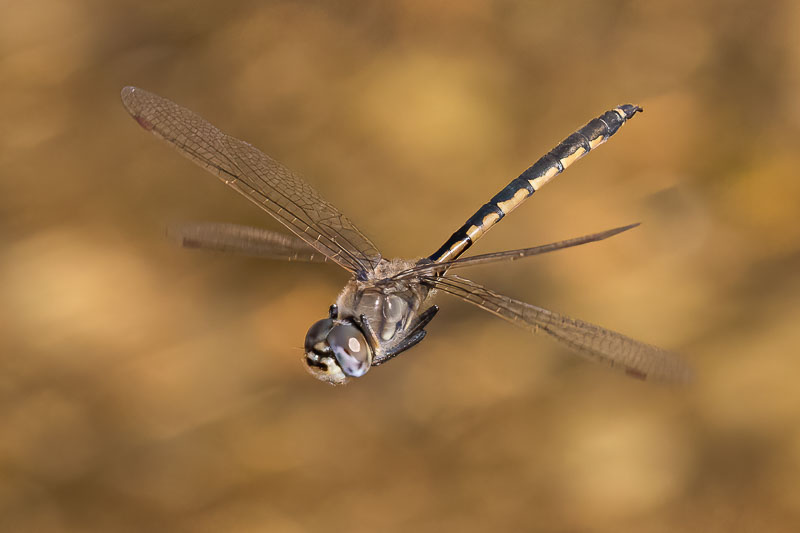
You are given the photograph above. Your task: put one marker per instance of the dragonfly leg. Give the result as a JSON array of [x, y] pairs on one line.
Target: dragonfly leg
[[416, 334], [425, 317], [408, 342], [372, 337]]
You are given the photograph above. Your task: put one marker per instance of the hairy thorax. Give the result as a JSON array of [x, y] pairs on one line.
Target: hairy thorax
[[389, 305]]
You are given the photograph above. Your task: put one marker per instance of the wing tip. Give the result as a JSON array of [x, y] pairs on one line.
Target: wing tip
[[679, 375], [176, 234], [129, 95]]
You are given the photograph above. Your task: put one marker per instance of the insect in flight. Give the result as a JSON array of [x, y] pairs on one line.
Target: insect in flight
[[384, 308]]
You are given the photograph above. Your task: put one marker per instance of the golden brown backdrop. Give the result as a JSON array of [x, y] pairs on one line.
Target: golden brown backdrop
[[148, 388]]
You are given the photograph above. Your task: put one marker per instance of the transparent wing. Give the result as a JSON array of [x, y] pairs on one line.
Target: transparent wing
[[244, 240], [261, 179], [637, 359], [510, 255]]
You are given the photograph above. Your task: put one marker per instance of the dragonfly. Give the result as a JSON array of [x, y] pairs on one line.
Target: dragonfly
[[386, 305]]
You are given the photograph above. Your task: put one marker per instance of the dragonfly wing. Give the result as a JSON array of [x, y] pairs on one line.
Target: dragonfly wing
[[640, 360], [244, 240], [427, 267], [261, 179]]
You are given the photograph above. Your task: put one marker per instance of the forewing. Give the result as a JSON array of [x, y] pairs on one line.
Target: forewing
[[261, 179], [636, 358], [244, 240]]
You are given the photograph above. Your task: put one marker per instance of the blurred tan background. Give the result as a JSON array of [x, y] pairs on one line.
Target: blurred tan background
[[148, 388]]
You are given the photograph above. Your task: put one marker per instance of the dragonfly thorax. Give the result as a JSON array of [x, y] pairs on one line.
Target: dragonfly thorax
[[388, 306], [371, 319]]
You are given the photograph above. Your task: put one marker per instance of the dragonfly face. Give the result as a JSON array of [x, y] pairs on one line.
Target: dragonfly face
[[336, 350], [384, 308]]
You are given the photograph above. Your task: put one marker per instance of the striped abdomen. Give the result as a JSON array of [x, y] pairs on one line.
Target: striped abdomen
[[545, 169]]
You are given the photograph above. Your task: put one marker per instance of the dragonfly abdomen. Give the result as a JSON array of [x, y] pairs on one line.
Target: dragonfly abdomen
[[590, 136]]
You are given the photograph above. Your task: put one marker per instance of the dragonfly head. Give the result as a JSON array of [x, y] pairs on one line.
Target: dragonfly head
[[336, 350]]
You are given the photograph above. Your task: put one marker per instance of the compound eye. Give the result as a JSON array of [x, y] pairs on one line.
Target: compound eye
[[350, 349], [317, 335]]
